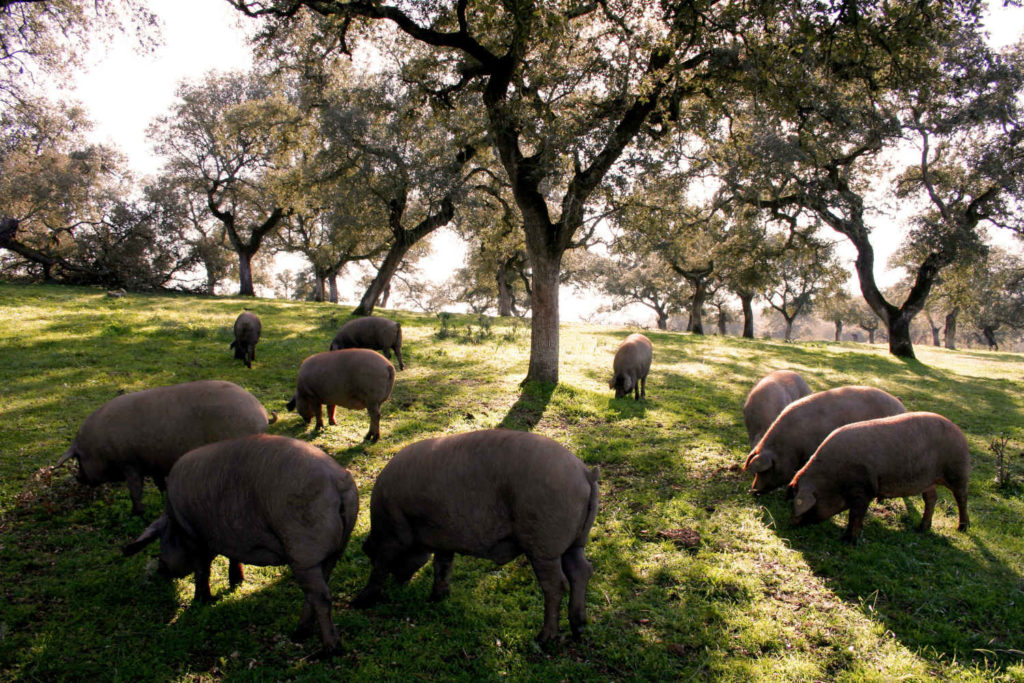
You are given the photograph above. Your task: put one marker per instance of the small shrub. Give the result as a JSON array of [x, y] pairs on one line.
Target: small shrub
[[1005, 477]]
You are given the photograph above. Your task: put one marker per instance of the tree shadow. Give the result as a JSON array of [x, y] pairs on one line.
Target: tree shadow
[[529, 408]]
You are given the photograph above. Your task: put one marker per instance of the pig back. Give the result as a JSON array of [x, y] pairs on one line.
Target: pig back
[[902, 454], [367, 333], [247, 327], [351, 378], [804, 424], [154, 427], [469, 491], [769, 398], [634, 354], [264, 500]]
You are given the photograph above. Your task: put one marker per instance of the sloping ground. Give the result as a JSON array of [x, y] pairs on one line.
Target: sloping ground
[[694, 577]]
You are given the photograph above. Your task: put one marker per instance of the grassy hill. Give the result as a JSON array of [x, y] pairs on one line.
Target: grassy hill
[[744, 597]]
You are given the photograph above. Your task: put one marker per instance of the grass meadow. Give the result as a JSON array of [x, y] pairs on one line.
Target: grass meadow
[[694, 578]]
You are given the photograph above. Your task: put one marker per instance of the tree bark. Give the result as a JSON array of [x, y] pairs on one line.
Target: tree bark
[[839, 329], [662, 319], [950, 330], [789, 328], [245, 287], [722, 320], [544, 325], [504, 291], [382, 279], [332, 286], [989, 333], [746, 301]]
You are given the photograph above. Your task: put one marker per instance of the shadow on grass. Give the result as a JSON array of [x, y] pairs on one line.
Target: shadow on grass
[[937, 599], [528, 410]]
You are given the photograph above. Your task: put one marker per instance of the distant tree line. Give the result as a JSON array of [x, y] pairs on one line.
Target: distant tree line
[[695, 158]]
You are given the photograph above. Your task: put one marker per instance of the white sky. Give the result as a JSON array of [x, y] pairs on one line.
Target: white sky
[[124, 91]]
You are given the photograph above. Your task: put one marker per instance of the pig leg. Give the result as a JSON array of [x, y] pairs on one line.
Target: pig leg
[[858, 508], [960, 494], [374, 434], [235, 574], [442, 574], [305, 626], [929, 496], [553, 584], [578, 571], [202, 579], [133, 478], [318, 602], [643, 386], [319, 416], [371, 593], [398, 356], [636, 390], [330, 413]]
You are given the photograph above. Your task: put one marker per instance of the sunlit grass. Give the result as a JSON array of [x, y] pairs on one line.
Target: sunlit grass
[[749, 598]]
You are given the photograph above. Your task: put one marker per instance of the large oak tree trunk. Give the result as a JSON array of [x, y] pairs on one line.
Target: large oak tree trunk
[[504, 291], [839, 329], [950, 331], [382, 279], [544, 325], [746, 301], [245, 287]]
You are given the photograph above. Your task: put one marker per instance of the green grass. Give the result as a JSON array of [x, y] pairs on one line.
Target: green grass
[[754, 600]]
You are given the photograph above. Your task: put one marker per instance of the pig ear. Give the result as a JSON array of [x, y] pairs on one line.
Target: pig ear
[[805, 499], [762, 462], [151, 533]]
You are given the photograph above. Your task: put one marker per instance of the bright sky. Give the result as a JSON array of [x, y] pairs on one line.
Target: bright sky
[[124, 91]]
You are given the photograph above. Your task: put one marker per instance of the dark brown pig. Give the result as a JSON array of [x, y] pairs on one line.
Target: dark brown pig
[[142, 434], [262, 500], [371, 332], [801, 427], [247, 333], [768, 398], [495, 494], [350, 378], [891, 457], [631, 364]]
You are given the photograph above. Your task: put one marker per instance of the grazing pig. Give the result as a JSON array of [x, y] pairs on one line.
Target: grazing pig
[[371, 332], [262, 500], [142, 434], [768, 398], [801, 427], [891, 457], [631, 365], [247, 333], [350, 378], [495, 494]]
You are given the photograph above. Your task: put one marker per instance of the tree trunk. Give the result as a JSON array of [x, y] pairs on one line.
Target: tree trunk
[[388, 268], [989, 332], [950, 331], [332, 286], [700, 290], [722, 320], [211, 281], [662, 319], [319, 287], [544, 325], [245, 274], [789, 328], [900, 343], [504, 291], [385, 295], [935, 335], [839, 329], [746, 301]]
